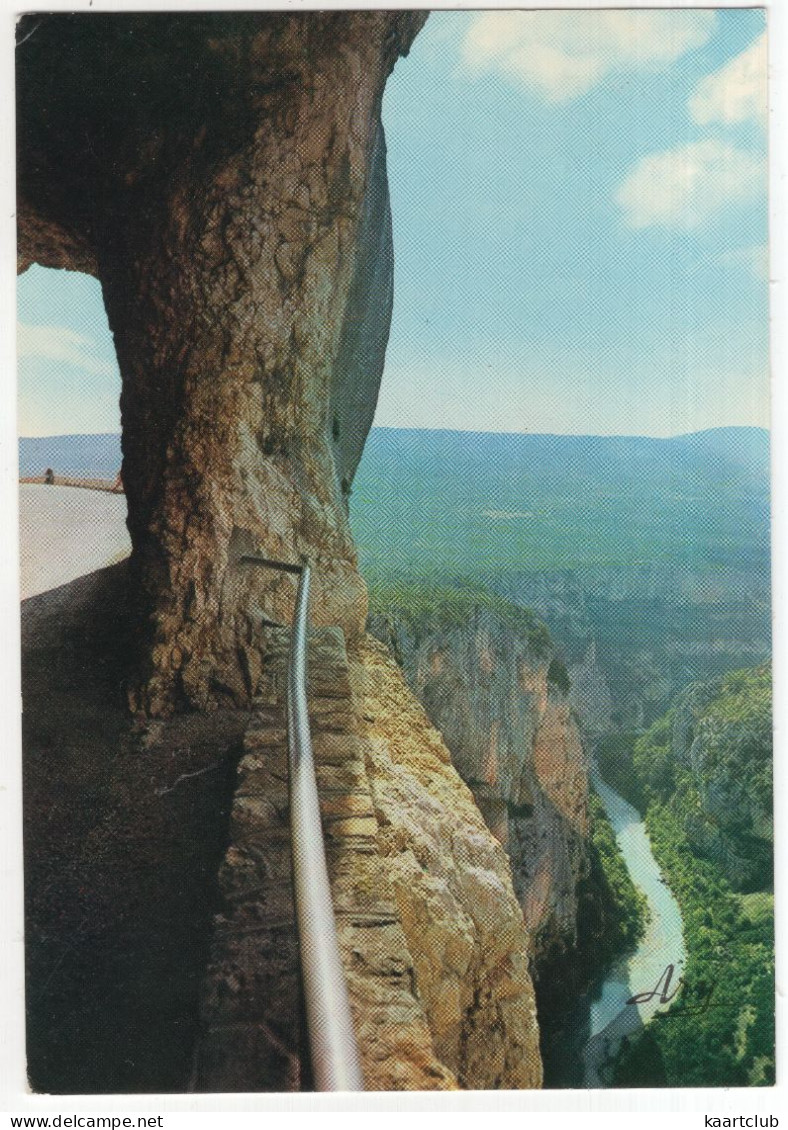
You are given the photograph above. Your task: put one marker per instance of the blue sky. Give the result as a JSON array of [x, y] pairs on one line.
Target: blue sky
[[68, 373], [580, 226]]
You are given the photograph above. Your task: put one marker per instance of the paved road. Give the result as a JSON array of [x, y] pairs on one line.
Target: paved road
[[66, 532]]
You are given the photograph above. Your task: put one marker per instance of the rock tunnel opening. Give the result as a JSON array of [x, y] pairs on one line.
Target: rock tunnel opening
[[241, 237], [72, 506]]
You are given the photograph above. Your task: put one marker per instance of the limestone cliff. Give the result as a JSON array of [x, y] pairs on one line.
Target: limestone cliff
[[489, 681], [453, 890], [223, 175], [634, 636]]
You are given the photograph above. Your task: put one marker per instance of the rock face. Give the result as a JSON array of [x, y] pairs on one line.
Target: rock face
[[722, 735], [453, 890], [490, 684], [223, 175], [192, 959], [432, 939], [253, 1030]]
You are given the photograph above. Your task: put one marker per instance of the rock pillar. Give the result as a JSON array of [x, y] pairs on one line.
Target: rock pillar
[[225, 180]]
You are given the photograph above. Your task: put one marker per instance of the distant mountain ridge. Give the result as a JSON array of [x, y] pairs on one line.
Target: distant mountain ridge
[[740, 445], [84, 456], [460, 502]]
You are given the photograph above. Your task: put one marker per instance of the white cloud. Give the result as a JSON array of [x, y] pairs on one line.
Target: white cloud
[[684, 187], [561, 54], [736, 92], [58, 343]]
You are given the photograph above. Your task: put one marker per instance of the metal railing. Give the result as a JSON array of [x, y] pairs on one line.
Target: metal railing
[[332, 1041]]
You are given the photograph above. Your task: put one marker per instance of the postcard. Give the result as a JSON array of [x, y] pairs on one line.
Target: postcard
[[394, 502]]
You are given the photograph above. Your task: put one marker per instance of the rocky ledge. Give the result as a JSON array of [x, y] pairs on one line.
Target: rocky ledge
[[432, 938]]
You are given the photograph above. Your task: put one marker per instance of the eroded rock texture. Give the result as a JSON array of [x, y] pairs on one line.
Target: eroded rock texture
[[489, 685], [453, 889], [432, 940], [224, 177]]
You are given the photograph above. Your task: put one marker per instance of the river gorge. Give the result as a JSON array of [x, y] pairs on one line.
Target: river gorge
[[492, 683]]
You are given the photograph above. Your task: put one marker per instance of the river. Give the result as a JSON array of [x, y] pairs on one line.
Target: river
[[610, 1017]]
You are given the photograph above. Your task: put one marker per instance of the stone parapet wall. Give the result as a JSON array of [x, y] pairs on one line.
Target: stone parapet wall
[[432, 939]]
